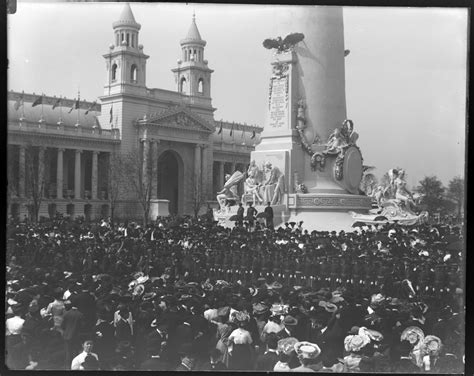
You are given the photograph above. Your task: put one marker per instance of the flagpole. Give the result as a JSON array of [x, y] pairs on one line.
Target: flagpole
[[60, 109], [77, 108], [42, 105], [23, 104]]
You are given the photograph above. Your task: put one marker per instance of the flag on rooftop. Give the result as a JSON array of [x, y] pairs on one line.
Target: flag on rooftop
[[37, 101], [57, 103], [90, 107], [75, 106]]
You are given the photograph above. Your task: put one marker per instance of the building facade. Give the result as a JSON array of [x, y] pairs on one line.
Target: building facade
[[63, 154]]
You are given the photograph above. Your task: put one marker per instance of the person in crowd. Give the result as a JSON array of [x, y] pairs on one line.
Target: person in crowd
[[57, 310], [269, 216], [378, 299], [215, 362], [268, 360], [73, 327], [78, 362]]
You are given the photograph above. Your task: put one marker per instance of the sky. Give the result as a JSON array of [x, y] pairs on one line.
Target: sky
[[405, 74]]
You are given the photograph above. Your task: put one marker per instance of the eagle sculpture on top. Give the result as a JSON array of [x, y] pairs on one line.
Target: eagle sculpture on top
[[283, 44]]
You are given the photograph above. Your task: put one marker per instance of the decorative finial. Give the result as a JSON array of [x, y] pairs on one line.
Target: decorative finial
[[194, 15]]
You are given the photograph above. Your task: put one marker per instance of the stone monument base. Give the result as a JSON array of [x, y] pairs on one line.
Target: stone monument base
[[159, 208], [325, 212], [280, 215]]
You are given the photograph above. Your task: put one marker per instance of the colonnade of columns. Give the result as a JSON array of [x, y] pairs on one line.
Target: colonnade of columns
[[62, 181]]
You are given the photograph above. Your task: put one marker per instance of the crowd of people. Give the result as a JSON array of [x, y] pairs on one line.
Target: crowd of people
[[187, 294]]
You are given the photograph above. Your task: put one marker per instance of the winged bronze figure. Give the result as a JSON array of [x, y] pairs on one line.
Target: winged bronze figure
[[283, 44]]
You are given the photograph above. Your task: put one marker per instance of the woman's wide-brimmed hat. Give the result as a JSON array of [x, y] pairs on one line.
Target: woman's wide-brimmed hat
[[432, 345], [287, 345], [354, 343], [412, 334], [307, 350]]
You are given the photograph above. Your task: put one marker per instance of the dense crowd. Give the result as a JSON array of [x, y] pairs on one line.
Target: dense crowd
[[186, 294]]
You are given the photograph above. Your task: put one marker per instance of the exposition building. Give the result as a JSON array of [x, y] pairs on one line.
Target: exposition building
[[61, 152]]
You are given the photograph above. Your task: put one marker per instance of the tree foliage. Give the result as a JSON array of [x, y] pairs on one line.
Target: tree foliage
[[434, 194], [455, 192]]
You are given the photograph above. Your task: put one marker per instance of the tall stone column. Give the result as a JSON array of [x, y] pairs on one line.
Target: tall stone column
[[21, 172], [59, 174], [232, 168], [77, 174], [41, 182], [205, 171], [154, 169], [145, 156], [197, 164], [94, 178]]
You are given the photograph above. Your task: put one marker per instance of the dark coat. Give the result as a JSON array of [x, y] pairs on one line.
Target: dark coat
[[155, 364], [104, 345], [266, 362], [73, 324], [123, 332], [85, 303], [219, 366]]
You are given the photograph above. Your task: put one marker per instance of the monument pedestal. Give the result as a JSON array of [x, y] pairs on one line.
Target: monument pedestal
[[307, 136], [325, 212], [159, 208]]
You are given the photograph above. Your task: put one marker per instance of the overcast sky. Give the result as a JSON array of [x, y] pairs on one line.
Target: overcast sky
[[405, 75]]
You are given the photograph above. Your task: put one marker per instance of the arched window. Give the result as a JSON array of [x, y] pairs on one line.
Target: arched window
[[199, 55], [133, 74], [183, 85], [117, 36], [114, 72], [121, 38], [201, 86], [133, 40], [185, 55], [128, 39]]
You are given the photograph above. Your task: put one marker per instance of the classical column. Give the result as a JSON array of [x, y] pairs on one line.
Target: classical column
[[77, 174], [94, 177], [232, 168], [205, 170], [221, 175], [197, 164], [59, 174], [41, 182], [21, 172], [145, 156], [154, 169]]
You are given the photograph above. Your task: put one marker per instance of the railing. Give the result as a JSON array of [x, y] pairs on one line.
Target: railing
[[93, 132]]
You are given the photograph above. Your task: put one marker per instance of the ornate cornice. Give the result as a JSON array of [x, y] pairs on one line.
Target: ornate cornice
[[177, 117]]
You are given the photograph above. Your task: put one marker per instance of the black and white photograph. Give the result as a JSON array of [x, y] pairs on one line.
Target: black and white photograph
[[236, 187]]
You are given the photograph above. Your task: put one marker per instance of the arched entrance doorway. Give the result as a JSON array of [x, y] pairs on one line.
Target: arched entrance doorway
[[168, 179]]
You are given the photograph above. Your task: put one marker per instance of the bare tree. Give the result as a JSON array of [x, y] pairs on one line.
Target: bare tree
[[199, 197], [137, 179], [34, 179], [115, 182]]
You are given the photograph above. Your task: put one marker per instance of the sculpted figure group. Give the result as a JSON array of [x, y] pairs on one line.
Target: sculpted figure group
[[260, 186], [396, 193], [342, 137]]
